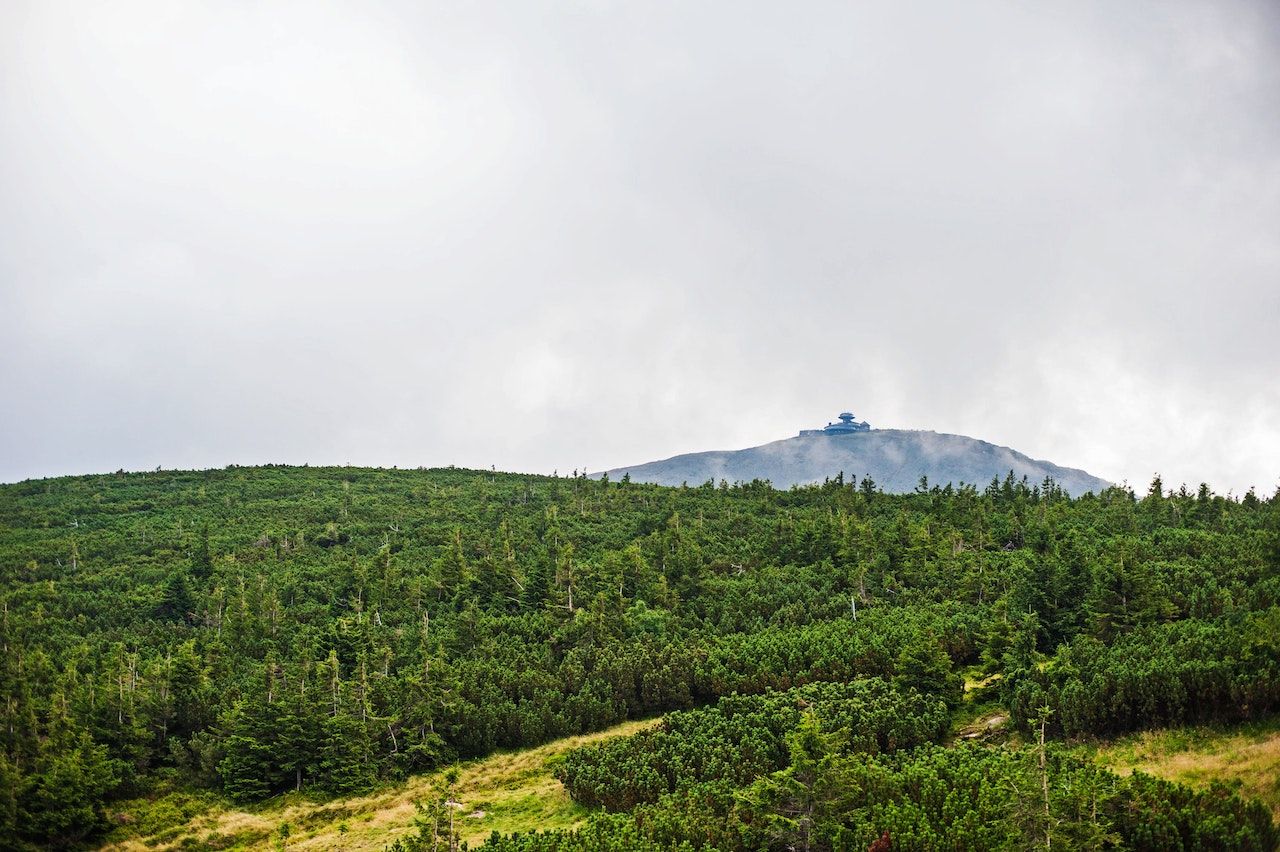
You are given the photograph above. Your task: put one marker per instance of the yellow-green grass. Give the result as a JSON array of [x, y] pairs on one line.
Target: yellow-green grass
[[509, 791], [1244, 756]]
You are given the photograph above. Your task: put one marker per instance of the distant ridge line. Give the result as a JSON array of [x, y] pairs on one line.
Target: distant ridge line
[[894, 458]]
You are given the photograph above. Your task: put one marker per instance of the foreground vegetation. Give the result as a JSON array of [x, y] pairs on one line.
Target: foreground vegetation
[[244, 634], [1244, 757], [504, 792], [518, 792]]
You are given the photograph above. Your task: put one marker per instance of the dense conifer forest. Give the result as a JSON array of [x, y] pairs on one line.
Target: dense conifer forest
[[254, 631]]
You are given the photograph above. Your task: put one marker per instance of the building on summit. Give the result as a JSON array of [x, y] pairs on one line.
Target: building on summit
[[848, 424]]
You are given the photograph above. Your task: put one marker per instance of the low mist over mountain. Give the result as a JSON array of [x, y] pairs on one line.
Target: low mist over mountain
[[894, 458]]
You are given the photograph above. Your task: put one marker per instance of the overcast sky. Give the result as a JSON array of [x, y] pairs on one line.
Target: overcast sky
[[549, 236]]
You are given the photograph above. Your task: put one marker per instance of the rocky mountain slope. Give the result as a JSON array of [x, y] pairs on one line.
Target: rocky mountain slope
[[894, 458]]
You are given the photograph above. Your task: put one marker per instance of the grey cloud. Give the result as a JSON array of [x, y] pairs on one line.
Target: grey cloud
[[560, 235]]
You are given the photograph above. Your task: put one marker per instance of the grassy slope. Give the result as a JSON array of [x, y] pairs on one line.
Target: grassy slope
[[1245, 755], [510, 791]]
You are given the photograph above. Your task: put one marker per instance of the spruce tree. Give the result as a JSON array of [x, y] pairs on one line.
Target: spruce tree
[[175, 601], [201, 560]]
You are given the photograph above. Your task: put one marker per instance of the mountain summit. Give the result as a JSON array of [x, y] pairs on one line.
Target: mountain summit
[[894, 458]]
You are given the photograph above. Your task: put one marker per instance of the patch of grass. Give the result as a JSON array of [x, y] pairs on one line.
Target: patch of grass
[[980, 713], [1246, 757], [161, 817], [509, 791]]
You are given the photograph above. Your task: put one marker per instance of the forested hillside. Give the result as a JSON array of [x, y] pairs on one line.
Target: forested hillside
[[254, 631]]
